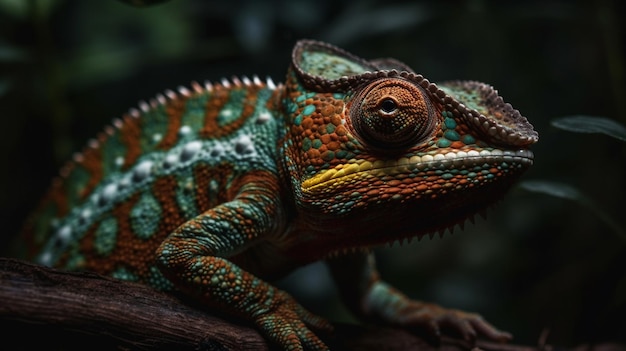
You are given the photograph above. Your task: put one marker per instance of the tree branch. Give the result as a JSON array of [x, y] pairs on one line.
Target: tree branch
[[125, 313], [69, 310]]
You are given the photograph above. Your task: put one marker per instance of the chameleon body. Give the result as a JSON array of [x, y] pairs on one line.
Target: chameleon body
[[216, 189]]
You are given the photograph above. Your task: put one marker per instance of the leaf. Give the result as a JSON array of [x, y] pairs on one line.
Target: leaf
[[363, 21], [565, 191], [555, 189], [591, 124]]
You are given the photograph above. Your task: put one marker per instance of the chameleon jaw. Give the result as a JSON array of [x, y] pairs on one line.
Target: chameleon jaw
[[453, 160]]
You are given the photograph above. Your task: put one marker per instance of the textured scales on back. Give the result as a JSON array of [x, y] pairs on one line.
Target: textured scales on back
[[179, 155], [212, 190]]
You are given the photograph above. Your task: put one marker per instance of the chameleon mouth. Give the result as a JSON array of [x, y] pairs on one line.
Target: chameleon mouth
[[464, 162]]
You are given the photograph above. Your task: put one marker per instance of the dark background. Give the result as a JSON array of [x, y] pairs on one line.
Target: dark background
[[538, 263]]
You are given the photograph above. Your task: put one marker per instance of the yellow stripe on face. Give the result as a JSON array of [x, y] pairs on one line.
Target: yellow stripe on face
[[359, 169], [450, 161]]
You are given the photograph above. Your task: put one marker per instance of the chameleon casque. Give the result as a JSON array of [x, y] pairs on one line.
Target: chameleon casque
[[214, 190]]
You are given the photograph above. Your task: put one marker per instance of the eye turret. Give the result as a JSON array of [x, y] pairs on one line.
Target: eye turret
[[392, 113]]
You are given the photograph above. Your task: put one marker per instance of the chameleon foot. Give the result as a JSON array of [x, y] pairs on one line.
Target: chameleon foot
[[289, 325], [387, 304], [434, 319]]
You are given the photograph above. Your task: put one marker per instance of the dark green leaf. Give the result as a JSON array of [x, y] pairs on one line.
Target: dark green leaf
[[590, 124], [555, 189], [565, 191]]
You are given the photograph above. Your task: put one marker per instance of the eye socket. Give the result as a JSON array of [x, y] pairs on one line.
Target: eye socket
[[388, 106], [392, 113]]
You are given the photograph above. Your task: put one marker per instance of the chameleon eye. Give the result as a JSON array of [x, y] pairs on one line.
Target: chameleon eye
[[392, 113], [388, 106]]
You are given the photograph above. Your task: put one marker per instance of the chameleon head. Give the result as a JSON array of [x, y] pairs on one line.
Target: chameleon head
[[374, 148]]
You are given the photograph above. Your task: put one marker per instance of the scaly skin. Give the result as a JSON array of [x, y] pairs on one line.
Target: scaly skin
[[217, 189]]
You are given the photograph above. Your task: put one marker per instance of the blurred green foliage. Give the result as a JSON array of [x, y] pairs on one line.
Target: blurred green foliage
[[67, 67]]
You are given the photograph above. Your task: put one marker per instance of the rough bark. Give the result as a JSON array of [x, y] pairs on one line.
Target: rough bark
[[68, 310]]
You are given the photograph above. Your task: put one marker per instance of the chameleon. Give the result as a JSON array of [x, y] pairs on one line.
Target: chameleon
[[217, 189]]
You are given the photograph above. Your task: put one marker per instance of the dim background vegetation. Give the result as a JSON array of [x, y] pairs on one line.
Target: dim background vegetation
[[539, 262]]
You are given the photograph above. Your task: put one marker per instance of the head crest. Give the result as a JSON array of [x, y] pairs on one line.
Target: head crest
[[326, 68]]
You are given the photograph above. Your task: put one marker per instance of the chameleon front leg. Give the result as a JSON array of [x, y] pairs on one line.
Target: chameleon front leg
[[372, 299], [195, 258]]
